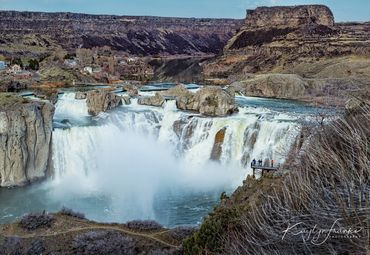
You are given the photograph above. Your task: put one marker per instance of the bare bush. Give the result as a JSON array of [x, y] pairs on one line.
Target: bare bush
[[182, 232], [144, 225], [327, 188], [69, 212], [11, 245], [34, 221], [103, 242], [37, 248]]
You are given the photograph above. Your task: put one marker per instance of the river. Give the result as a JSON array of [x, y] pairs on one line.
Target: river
[[141, 162]]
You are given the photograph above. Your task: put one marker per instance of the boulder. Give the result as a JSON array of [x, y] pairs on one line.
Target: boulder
[[81, 95], [131, 90], [217, 146], [101, 101], [25, 142], [177, 91], [157, 100], [187, 102], [273, 85], [209, 101]]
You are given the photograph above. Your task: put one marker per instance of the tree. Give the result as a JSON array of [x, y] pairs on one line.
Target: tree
[[16, 61], [34, 64]]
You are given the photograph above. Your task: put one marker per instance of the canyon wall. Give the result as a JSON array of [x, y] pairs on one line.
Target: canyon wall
[[301, 40], [289, 16], [35, 33], [25, 135]]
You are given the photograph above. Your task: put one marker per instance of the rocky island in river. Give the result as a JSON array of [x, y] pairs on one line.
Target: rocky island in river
[[138, 135]]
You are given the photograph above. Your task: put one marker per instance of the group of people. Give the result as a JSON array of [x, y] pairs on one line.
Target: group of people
[[254, 162]]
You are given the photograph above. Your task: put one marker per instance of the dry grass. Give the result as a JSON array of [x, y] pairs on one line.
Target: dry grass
[[328, 185]]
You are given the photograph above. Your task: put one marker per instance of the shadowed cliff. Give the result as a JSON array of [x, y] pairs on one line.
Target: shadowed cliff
[[30, 33]]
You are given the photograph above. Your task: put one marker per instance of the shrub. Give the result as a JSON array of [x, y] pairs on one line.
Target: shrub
[[208, 239], [37, 248], [34, 64], [144, 225], [69, 212], [34, 221], [103, 242], [11, 245], [182, 232]]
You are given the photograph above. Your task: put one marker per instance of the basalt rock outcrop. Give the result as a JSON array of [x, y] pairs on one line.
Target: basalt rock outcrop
[[43, 32], [209, 101], [25, 135], [101, 101], [157, 100], [289, 16]]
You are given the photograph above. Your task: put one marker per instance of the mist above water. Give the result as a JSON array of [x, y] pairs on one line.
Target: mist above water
[[132, 163]]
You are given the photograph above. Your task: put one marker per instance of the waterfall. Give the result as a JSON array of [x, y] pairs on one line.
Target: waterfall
[[134, 153], [248, 135]]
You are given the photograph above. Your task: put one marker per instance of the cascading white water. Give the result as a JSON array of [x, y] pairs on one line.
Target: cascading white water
[[135, 154]]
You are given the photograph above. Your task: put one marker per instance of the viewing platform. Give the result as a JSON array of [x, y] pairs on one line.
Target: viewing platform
[[264, 169]]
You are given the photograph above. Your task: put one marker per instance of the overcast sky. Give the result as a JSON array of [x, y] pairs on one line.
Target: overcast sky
[[344, 10]]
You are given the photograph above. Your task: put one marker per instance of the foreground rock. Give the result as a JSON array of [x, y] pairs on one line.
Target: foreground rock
[[25, 139], [209, 101], [156, 100], [101, 101]]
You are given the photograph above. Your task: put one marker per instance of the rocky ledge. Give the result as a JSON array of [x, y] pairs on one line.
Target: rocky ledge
[[209, 101], [101, 101], [25, 135], [156, 100]]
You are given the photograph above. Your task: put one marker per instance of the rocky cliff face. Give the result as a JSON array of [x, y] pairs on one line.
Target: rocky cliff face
[[289, 16], [208, 101], [302, 40], [25, 135], [101, 101], [32, 33]]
